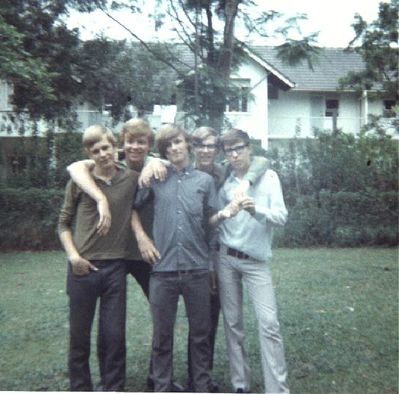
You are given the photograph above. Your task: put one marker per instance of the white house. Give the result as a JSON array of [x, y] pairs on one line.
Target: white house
[[277, 101]]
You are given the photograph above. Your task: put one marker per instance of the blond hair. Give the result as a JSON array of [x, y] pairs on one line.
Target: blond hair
[[95, 133], [137, 128]]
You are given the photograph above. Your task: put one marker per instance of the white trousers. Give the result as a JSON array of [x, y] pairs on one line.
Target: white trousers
[[256, 276]]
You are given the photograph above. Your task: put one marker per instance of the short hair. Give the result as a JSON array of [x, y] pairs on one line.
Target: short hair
[[95, 133], [233, 136], [137, 127], [166, 133], [202, 133]]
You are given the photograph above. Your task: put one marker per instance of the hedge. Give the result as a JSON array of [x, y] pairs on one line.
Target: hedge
[[28, 219], [342, 219]]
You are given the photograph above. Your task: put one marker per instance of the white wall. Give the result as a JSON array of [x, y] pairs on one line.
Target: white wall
[[254, 122], [295, 112]]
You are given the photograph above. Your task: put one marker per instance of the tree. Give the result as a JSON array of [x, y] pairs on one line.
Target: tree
[[116, 73], [207, 87], [38, 57], [379, 50]]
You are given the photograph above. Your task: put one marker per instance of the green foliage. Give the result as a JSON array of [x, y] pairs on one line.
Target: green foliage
[[340, 190], [120, 74], [379, 50], [45, 159], [28, 218], [38, 57]]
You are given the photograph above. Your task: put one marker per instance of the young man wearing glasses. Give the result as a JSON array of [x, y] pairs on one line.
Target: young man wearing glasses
[[244, 258], [205, 148]]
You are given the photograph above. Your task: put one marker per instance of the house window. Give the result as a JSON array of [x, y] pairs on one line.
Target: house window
[[238, 101], [389, 109], [331, 109]]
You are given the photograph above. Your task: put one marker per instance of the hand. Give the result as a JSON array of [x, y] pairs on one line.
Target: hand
[[104, 223], [154, 169], [213, 283], [230, 210], [81, 266], [242, 189], [248, 204], [148, 250]]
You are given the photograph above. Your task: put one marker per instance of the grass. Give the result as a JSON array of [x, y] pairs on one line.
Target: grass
[[338, 311]]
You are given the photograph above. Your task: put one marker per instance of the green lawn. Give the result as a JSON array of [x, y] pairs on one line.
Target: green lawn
[[338, 311]]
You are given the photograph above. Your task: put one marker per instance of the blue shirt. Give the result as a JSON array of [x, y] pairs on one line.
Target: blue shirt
[[253, 234], [183, 204]]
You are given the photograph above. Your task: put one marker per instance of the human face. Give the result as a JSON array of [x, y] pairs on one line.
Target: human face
[[103, 154], [239, 156], [205, 153], [136, 149], [177, 152]]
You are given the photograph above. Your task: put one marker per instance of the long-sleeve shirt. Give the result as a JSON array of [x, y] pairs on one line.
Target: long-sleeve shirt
[[182, 205], [80, 216], [253, 234]]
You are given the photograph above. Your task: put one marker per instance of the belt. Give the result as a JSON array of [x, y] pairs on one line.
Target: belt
[[237, 253], [177, 273]]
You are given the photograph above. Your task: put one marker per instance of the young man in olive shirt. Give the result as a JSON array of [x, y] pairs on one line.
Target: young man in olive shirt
[[96, 268]]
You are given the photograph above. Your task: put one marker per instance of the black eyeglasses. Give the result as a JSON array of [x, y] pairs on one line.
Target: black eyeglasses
[[210, 147], [238, 149]]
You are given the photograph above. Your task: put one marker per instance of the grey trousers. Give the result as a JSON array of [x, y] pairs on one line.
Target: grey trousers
[[108, 285], [165, 289], [256, 276]]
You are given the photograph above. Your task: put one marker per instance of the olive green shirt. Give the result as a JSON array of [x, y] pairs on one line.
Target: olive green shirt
[[80, 216]]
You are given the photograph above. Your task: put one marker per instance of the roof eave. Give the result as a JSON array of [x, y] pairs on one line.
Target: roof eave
[[269, 68]]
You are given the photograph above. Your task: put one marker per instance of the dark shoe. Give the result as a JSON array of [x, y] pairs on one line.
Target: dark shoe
[[240, 390], [150, 384], [214, 387]]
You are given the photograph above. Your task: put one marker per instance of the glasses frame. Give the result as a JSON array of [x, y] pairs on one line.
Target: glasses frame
[[238, 150], [209, 147]]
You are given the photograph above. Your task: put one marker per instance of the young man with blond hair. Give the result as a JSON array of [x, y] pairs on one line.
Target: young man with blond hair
[[137, 139], [96, 269]]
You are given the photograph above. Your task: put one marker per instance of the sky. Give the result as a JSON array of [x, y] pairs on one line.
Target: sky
[[332, 19]]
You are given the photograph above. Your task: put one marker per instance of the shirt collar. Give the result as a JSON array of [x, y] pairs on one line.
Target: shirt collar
[[185, 171]]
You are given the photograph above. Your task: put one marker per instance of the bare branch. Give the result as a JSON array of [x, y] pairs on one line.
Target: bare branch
[[145, 45]]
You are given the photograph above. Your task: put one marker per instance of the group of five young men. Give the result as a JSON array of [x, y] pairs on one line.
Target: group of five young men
[[181, 226]]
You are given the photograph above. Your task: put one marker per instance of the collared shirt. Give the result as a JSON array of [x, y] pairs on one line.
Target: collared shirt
[[182, 205], [253, 234]]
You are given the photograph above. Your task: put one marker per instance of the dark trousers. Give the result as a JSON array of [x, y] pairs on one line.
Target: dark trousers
[[109, 285], [214, 322], [140, 270], [165, 289]]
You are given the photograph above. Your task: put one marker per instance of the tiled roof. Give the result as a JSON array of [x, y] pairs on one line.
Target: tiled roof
[[330, 65]]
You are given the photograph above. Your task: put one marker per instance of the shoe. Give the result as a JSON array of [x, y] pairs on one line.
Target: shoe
[[214, 387], [150, 384], [240, 390]]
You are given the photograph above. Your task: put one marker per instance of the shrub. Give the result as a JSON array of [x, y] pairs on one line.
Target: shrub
[[28, 218]]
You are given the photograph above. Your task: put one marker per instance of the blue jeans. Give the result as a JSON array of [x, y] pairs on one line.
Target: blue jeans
[[109, 285], [165, 289]]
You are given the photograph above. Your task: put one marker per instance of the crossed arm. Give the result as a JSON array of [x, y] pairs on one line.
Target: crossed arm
[[80, 173]]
